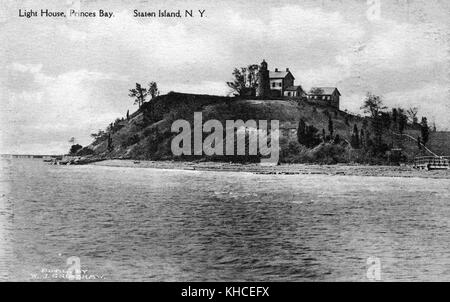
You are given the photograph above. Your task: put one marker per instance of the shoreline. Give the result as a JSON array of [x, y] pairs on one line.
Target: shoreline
[[284, 169]]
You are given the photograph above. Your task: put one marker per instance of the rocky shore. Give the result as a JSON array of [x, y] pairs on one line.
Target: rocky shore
[[284, 169]]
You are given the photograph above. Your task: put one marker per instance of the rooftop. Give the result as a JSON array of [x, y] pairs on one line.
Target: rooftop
[[323, 90], [277, 74], [293, 88]]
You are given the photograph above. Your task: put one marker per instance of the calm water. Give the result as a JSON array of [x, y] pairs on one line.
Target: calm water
[[153, 225]]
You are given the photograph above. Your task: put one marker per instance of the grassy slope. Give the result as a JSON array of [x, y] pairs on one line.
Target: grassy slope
[[153, 141], [440, 143]]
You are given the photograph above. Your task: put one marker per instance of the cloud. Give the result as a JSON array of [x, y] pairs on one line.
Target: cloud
[[207, 49], [64, 105], [404, 62], [310, 25], [422, 97], [294, 24], [393, 46], [163, 44], [31, 68], [321, 76]]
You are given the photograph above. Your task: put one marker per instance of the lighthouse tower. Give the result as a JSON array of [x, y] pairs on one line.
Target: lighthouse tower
[[263, 89]]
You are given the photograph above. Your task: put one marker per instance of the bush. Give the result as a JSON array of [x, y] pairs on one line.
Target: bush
[[85, 151], [131, 140], [329, 154], [326, 153], [75, 148], [291, 151]]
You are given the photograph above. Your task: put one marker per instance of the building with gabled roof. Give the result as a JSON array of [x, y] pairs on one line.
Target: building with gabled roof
[[325, 95], [280, 83], [295, 91]]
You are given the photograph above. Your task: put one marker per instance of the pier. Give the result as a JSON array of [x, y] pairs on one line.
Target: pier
[[432, 162], [30, 156]]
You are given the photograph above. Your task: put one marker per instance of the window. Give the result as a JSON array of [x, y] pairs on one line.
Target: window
[[273, 84]]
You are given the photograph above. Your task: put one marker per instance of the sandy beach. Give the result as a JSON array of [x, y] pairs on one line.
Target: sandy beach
[[284, 169]]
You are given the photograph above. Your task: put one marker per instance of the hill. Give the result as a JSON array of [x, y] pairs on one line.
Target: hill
[[147, 133]]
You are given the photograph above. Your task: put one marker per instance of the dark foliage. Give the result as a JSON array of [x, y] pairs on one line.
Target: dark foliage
[[424, 130], [307, 135], [355, 141], [330, 127], [131, 140], [75, 148]]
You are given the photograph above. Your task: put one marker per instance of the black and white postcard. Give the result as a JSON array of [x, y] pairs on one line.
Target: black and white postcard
[[224, 141]]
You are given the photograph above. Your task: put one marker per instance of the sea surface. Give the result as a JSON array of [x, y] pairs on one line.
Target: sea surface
[[141, 224]]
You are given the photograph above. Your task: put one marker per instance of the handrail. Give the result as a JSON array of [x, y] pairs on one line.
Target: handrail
[[440, 161], [407, 135], [432, 157]]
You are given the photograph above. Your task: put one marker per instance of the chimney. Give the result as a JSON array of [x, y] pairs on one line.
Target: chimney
[[276, 69], [287, 69]]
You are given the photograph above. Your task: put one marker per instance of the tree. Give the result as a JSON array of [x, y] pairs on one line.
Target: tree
[[424, 130], [110, 144], [385, 119], [330, 127], [362, 138], [307, 134], [252, 76], [139, 94], [245, 80], [99, 136], [75, 148], [153, 89], [355, 143], [402, 119], [365, 124], [377, 129], [311, 138], [373, 104], [238, 84], [337, 139], [412, 114], [128, 115], [434, 127], [394, 115], [301, 130], [346, 120]]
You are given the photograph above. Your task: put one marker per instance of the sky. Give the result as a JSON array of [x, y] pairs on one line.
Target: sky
[[69, 77]]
